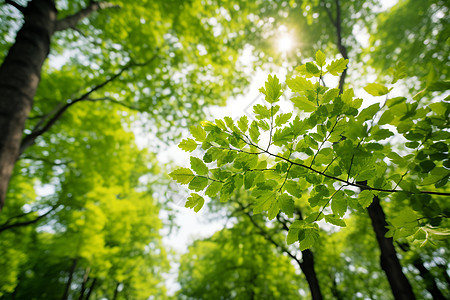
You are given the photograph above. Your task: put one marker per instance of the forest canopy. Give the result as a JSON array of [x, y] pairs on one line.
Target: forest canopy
[[333, 184]]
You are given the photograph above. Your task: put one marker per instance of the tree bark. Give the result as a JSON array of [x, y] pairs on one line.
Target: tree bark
[[93, 285], [428, 278], [116, 291], [69, 280], [307, 267], [19, 78], [85, 281], [400, 286]]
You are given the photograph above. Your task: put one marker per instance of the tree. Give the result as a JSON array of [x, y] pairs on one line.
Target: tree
[[340, 150], [171, 68], [101, 236], [236, 263]]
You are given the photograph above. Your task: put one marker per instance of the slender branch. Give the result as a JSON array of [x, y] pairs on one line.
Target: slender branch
[[114, 101], [323, 142], [346, 182], [7, 226], [47, 161], [268, 237], [29, 140], [16, 5], [329, 200], [72, 20]]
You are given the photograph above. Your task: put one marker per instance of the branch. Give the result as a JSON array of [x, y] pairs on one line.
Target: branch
[[29, 139], [322, 173], [341, 48], [16, 5], [268, 237], [6, 225], [72, 20], [112, 100]]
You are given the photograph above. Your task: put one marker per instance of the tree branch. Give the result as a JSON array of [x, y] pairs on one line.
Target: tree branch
[[6, 225], [29, 139], [72, 20], [267, 236], [16, 5]]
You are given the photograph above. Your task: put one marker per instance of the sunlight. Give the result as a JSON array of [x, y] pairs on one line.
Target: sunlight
[[285, 41]]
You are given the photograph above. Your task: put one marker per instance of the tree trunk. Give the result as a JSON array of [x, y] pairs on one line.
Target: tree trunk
[[69, 280], [91, 289], [83, 285], [19, 78], [428, 278], [401, 289], [116, 291], [307, 267]]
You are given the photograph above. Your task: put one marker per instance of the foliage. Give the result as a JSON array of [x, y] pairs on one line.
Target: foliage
[[102, 215], [236, 263], [414, 33], [324, 155]]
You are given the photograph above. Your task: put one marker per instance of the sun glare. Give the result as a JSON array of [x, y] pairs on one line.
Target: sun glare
[[285, 43]]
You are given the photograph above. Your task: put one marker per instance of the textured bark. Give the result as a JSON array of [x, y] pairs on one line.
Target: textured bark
[[19, 78], [400, 286]]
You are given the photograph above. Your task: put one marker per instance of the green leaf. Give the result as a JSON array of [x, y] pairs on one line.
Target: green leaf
[[292, 235], [286, 204], [195, 201], [365, 198], [312, 69], [293, 188], [376, 89], [381, 134], [320, 58], [339, 203], [282, 119], [332, 219], [188, 145], [226, 190], [299, 84], [213, 189], [439, 108], [229, 122], [427, 166], [368, 112], [331, 94], [282, 136], [198, 183], [254, 132], [273, 210], [198, 133], [386, 118], [311, 235], [198, 166], [261, 111], [182, 175], [221, 124], [243, 124], [272, 90], [302, 103], [338, 66]]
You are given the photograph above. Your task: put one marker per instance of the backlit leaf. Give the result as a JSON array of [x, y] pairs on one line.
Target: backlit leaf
[[182, 175]]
